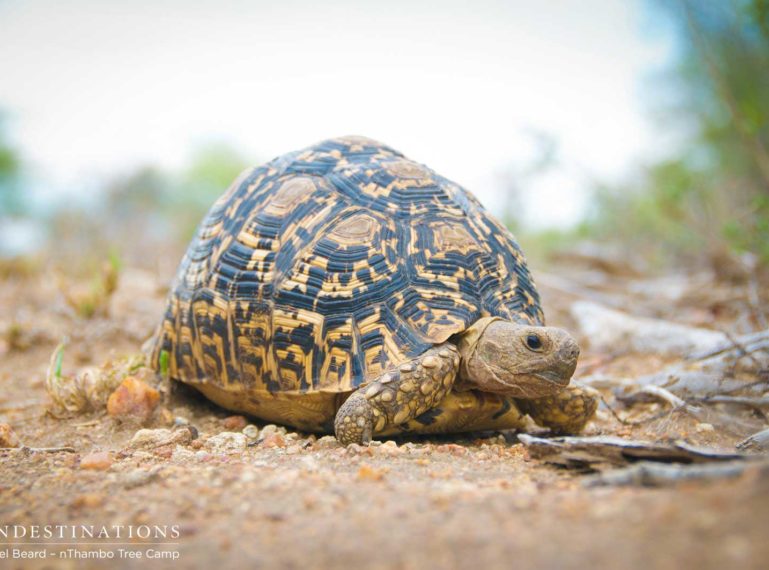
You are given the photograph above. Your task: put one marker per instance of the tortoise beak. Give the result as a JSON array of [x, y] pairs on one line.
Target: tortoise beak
[[568, 355]]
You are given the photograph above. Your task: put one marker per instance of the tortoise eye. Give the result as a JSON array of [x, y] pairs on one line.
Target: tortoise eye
[[533, 342]]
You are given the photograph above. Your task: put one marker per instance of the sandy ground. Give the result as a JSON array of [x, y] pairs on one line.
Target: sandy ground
[[292, 501]]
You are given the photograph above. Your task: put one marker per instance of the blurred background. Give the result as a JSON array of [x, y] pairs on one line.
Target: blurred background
[[638, 127]]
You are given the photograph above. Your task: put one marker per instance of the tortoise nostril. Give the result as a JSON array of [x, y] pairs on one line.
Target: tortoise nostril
[[572, 351]]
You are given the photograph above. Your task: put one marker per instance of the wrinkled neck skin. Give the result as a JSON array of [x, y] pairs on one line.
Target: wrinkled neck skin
[[496, 358]]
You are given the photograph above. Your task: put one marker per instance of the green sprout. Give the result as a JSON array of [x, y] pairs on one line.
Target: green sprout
[[59, 361], [164, 356]]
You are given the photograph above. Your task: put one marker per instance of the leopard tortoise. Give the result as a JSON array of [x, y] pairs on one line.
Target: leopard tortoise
[[347, 287]]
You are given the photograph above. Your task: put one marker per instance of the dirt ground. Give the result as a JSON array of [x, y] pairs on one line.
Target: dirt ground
[[291, 500]]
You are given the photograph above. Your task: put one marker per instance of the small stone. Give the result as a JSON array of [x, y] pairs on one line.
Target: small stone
[[271, 428], [704, 428], [234, 423], [251, 431], [368, 473], [133, 400], [96, 461], [326, 442], [430, 362], [389, 448], [406, 368], [451, 448], [273, 440], [227, 442], [139, 477], [182, 455], [193, 431], [181, 421], [8, 437], [151, 438]]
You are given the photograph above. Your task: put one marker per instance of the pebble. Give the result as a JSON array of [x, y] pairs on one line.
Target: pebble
[[133, 400], [181, 421], [226, 442], [182, 455], [451, 448], [270, 429], [704, 428], [8, 437], [326, 442], [97, 461], [389, 448], [234, 423], [369, 473], [150, 438], [139, 477], [251, 431], [273, 440]]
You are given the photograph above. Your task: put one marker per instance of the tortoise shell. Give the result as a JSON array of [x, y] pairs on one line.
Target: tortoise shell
[[325, 267]]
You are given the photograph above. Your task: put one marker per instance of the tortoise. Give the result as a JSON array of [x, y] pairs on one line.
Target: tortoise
[[345, 287]]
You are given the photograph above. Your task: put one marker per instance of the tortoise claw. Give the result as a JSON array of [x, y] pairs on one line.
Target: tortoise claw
[[354, 422]]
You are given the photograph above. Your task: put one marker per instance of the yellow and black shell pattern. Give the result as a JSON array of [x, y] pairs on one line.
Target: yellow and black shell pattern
[[325, 267]]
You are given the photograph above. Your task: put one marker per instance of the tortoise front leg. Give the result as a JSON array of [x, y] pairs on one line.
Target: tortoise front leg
[[467, 411], [566, 412], [397, 395]]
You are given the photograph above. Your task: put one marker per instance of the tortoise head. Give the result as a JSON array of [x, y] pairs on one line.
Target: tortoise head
[[516, 360]]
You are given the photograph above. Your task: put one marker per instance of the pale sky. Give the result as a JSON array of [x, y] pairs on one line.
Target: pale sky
[[95, 88]]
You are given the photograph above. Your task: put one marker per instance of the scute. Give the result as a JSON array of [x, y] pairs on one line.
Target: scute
[[327, 266]]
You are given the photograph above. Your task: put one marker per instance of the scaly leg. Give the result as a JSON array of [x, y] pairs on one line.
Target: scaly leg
[[566, 412], [459, 412], [398, 395]]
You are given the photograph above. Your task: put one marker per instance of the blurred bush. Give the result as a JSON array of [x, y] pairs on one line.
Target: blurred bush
[[170, 204], [143, 217], [711, 196], [11, 197]]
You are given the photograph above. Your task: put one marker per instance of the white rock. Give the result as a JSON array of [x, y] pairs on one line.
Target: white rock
[[182, 455], [251, 431], [149, 438], [227, 442], [326, 442]]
